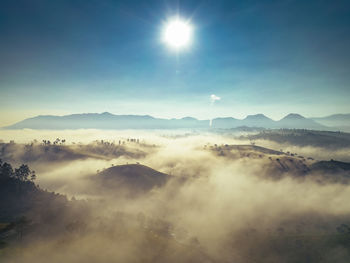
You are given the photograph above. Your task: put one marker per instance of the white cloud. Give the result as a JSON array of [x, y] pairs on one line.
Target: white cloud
[[214, 98]]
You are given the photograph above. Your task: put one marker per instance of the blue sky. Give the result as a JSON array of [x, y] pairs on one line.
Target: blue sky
[[271, 57]]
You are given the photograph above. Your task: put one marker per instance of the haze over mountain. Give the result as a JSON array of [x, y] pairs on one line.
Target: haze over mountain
[[335, 120], [107, 120], [258, 120], [294, 120]]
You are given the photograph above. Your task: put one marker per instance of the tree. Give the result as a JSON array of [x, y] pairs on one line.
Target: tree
[[6, 170], [32, 176], [22, 172], [57, 141]]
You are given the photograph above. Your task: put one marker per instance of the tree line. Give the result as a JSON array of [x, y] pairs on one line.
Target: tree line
[[22, 173]]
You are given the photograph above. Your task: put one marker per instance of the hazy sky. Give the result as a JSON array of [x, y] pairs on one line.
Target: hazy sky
[[271, 57]]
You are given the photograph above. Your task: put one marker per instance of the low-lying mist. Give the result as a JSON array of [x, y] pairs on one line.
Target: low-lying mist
[[218, 205]]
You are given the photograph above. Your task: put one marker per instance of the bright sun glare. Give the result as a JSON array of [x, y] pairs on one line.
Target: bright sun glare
[[177, 34]]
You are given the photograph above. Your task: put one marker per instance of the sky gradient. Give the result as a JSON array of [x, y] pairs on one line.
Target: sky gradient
[[271, 57]]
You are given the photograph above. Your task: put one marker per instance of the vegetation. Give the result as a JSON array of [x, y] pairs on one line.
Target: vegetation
[[22, 173], [300, 137]]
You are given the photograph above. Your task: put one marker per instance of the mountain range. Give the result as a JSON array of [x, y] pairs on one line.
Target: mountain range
[[107, 120]]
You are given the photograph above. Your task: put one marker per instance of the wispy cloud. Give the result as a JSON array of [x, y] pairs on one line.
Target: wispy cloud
[[213, 98]]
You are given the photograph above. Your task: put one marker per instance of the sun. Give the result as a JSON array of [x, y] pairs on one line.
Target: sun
[[177, 34]]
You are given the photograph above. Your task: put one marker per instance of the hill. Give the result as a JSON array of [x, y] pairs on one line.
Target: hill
[[20, 196], [332, 166], [54, 153], [301, 137], [134, 177], [277, 164]]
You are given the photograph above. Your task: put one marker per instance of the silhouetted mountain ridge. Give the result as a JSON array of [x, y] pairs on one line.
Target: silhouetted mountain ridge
[[108, 120]]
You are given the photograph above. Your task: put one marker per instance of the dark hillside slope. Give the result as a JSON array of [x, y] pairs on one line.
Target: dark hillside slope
[[301, 137], [276, 165], [20, 196], [332, 166], [133, 177]]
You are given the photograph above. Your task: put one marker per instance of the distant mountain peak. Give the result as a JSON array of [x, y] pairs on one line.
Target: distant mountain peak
[[294, 116], [259, 116]]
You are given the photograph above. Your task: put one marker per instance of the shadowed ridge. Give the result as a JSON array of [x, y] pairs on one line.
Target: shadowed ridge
[[331, 166], [133, 176]]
